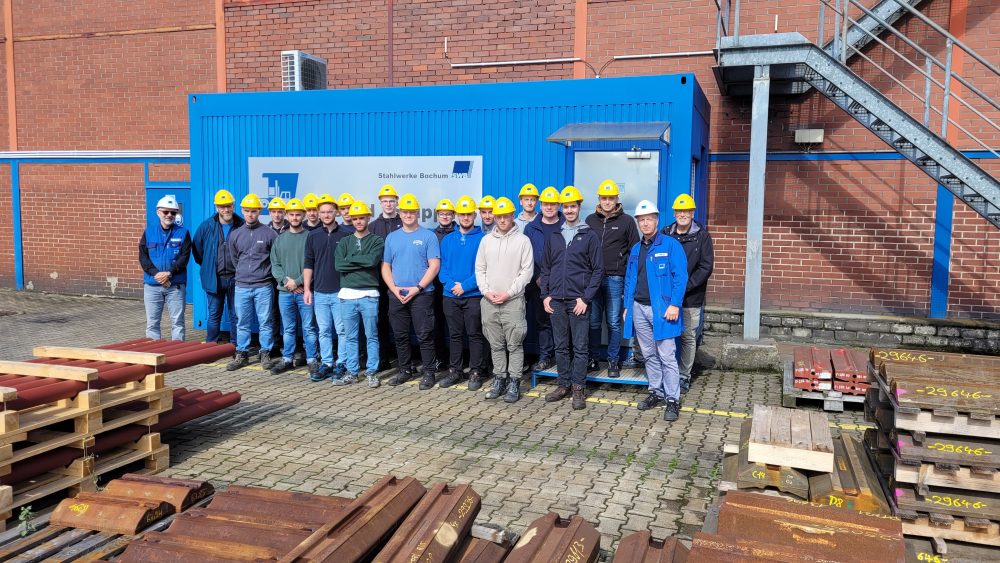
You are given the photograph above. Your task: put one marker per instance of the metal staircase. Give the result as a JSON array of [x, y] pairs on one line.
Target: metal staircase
[[794, 65]]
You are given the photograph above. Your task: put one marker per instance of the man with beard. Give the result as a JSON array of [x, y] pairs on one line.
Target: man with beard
[[217, 269], [287, 261]]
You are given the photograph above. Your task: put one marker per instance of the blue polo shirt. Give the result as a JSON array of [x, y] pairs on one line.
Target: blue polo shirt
[[409, 253]]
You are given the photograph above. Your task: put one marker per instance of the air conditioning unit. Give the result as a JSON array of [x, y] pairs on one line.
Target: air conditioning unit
[[302, 71]]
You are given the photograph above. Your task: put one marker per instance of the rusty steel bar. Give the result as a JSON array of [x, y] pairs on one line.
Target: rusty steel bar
[[551, 538], [160, 547], [476, 550], [640, 547], [432, 530], [179, 493], [105, 513], [301, 507]]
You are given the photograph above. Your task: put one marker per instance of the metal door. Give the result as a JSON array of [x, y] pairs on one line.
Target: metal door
[[637, 174]]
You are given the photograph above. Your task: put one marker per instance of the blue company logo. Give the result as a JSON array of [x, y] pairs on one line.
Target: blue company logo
[[462, 169], [281, 184]]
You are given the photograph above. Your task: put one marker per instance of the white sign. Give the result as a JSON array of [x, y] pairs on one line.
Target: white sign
[[429, 178]]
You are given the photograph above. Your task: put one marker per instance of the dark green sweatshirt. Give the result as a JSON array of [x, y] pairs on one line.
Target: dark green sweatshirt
[[359, 260]]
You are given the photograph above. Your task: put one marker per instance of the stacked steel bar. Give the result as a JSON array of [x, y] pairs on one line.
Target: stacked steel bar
[[830, 369], [937, 441]]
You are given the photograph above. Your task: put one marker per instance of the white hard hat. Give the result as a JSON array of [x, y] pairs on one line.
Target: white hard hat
[[168, 202], [645, 207]]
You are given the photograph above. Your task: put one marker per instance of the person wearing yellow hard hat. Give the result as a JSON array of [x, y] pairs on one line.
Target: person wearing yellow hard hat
[[654, 290], [411, 261], [504, 268], [444, 211], [251, 249], [164, 251], [287, 267], [462, 308], [571, 277], [311, 203], [546, 223], [359, 259], [344, 202], [618, 234], [528, 198], [211, 252], [486, 213], [388, 220], [698, 248], [276, 211]]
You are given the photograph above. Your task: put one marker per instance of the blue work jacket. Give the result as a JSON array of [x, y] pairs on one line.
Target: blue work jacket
[[666, 273]]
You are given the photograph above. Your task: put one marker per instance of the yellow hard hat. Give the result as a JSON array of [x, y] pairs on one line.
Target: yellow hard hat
[[251, 201], [445, 205], [549, 195], [325, 198], [529, 190], [345, 200], [503, 206], [294, 204], [465, 205], [387, 191], [570, 194], [409, 203], [311, 201], [684, 201], [223, 197], [276, 203], [487, 202], [608, 188], [359, 209]]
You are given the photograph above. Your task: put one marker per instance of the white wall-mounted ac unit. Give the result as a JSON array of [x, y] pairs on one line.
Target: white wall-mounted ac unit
[[302, 71]]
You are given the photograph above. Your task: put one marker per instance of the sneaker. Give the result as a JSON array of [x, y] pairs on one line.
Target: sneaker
[[614, 369], [453, 377], [313, 368], [299, 359], [241, 359], [401, 377], [579, 399], [499, 386], [558, 394], [593, 365], [339, 370], [543, 363], [513, 390], [651, 400], [280, 366], [265, 360], [632, 363], [347, 379], [373, 381], [672, 411], [685, 385], [475, 380], [323, 372], [427, 381]]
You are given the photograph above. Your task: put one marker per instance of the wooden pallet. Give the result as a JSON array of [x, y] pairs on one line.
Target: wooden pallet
[[833, 401], [792, 438], [82, 474], [957, 531], [928, 475], [744, 474], [942, 504]]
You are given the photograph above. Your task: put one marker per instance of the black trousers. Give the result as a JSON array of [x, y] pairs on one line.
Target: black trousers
[[418, 313], [571, 333], [543, 322], [465, 319]]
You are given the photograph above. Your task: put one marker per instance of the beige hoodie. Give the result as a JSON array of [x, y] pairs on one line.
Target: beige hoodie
[[504, 262]]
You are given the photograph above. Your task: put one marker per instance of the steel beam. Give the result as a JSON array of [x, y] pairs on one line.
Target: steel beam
[[755, 202]]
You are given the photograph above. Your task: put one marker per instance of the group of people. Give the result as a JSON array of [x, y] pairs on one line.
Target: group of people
[[328, 281]]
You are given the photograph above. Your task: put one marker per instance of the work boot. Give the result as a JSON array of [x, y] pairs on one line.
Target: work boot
[[322, 372], [475, 380], [280, 366], [298, 359], [579, 400], [672, 411], [401, 377], [427, 381], [651, 400], [633, 363], [558, 394], [593, 365], [499, 383], [265, 359], [543, 363], [614, 368], [453, 377], [373, 381], [513, 390], [241, 359], [313, 368], [685, 385], [347, 379]]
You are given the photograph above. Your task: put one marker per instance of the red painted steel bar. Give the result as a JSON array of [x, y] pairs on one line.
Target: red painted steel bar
[[201, 356], [122, 345]]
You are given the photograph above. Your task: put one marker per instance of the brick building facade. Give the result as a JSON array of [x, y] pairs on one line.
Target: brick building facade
[[844, 234]]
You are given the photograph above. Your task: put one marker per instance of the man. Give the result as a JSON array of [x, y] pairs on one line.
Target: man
[[311, 203], [250, 246], [571, 275], [462, 308], [486, 213], [344, 203], [357, 259], [445, 212], [322, 284], [618, 233], [528, 197], [287, 264], [654, 291], [164, 250], [217, 268], [387, 221], [504, 267], [276, 211], [538, 231], [700, 254], [411, 261]]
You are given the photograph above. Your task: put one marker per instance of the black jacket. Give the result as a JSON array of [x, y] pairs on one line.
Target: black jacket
[[382, 226], [574, 270], [697, 245], [618, 233], [321, 248]]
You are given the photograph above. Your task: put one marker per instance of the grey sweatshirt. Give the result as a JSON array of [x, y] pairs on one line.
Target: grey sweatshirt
[[504, 262]]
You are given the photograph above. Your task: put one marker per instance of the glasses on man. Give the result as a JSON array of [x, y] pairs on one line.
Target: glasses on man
[[168, 212]]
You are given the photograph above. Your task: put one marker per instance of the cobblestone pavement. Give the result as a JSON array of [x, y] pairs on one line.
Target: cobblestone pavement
[[621, 469]]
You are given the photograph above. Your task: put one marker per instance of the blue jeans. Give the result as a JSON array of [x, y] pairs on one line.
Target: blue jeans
[[327, 308], [354, 313], [216, 303], [155, 297], [609, 301], [293, 307], [253, 302]]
